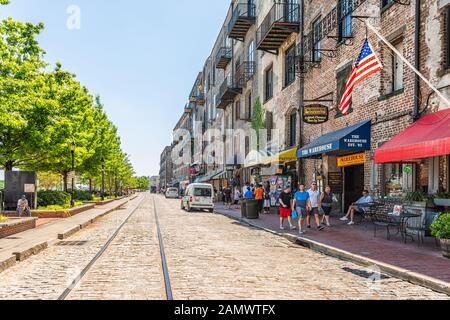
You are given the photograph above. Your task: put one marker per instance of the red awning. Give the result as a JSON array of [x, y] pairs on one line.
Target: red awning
[[427, 137]]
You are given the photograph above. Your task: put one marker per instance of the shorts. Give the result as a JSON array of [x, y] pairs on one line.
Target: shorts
[[315, 211], [302, 213], [285, 212], [327, 210]]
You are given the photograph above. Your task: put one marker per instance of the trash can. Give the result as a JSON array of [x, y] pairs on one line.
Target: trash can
[[252, 209], [244, 208]]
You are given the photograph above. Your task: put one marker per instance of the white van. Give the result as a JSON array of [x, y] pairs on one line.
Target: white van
[[198, 196]]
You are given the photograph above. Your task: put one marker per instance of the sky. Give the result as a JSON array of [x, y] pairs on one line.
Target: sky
[[141, 56]]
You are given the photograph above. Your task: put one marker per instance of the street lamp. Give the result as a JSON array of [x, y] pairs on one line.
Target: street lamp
[[103, 179], [72, 151]]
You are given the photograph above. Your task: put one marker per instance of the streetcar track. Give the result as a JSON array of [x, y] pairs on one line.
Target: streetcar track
[[165, 269], [77, 280]]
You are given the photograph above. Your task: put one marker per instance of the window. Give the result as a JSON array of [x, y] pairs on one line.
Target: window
[[268, 83], [342, 78], [248, 106], [238, 109], [292, 133], [316, 37], [397, 69], [385, 3], [393, 177], [345, 19], [251, 52], [289, 76]]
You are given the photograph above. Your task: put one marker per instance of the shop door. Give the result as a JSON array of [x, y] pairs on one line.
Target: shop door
[[353, 184]]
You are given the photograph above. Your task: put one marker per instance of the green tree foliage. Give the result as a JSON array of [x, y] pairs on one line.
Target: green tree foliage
[[42, 113], [258, 120]]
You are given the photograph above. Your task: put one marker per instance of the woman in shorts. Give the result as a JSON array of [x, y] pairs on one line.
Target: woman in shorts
[[326, 198]]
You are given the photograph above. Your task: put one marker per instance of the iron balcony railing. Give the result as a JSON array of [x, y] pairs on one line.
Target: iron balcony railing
[[245, 12], [245, 72], [283, 13], [227, 91], [223, 57]]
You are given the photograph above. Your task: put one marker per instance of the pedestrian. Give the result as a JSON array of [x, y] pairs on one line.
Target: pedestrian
[[237, 198], [285, 201], [259, 196], [245, 188], [227, 195], [23, 206], [248, 194], [314, 208], [267, 199], [326, 199], [300, 204]]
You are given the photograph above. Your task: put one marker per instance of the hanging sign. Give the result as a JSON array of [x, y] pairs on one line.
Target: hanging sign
[[315, 114], [351, 160]]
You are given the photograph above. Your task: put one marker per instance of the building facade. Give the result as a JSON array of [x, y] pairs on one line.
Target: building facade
[[165, 172], [288, 59]]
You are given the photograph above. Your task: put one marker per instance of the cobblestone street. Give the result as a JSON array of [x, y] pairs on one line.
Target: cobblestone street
[[209, 257]]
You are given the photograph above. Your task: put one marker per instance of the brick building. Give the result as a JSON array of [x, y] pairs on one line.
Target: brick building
[[165, 172]]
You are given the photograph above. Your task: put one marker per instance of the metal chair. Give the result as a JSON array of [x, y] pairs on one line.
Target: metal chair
[[386, 221]]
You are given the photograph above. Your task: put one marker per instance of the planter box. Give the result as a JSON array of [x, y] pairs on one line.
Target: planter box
[[442, 202], [54, 214], [16, 225], [445, 246]]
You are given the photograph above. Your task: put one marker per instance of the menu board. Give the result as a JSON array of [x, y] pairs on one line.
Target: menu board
[[336, 182]]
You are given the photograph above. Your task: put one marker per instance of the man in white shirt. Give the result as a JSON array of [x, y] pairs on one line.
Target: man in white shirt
[[360, 206], [315, 206]]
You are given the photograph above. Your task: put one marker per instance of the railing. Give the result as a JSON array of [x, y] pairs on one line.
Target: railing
[[242, 10], [245, 72], [224, 53], [284, 12]]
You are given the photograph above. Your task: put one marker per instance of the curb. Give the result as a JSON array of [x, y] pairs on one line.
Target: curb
[[23, 255], [388, 269], [8, 263], [66, 234]]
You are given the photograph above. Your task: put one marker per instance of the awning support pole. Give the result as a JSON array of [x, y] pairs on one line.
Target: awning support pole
[[382, 38]]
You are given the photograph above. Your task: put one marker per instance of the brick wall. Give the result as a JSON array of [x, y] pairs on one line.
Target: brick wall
[[17, 227]]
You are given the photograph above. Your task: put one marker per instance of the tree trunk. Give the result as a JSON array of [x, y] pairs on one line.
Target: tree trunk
[[90, 185], [9, 165]]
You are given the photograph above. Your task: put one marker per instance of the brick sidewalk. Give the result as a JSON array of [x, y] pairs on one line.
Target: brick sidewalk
[[359, 240], [49, 231]]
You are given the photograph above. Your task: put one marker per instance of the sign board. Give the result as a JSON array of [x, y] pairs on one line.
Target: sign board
[[351, 160], [29, 188], [336, 182], [315, 114]]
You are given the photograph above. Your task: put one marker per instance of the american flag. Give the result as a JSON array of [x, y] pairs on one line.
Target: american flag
[[367, 64]]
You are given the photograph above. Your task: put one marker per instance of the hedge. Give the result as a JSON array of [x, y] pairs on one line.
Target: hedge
[[53, 198]]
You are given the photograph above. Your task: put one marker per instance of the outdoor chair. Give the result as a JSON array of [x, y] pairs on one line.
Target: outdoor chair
[[385, 221]]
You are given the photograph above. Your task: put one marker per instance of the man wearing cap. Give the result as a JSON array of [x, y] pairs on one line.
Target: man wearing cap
[[22, 205], [314, 207]]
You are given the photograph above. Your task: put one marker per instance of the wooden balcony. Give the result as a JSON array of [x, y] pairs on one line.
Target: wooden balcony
[[244, 16], [227, 92], [223, 57], [281, 21]]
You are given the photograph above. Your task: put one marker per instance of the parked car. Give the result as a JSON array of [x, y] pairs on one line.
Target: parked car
[[198, 196], [172, 193]]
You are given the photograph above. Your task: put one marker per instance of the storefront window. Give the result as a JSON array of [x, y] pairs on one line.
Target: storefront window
[[394, 180]]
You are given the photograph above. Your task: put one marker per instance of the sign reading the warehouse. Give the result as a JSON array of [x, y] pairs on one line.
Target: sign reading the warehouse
[[351, 160], [315, 114]]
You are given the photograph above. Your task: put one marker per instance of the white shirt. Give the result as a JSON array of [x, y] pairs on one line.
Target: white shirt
[[314, 197]]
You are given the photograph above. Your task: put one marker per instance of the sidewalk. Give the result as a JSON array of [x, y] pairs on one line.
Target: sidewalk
[[357, 243], [22, 245]]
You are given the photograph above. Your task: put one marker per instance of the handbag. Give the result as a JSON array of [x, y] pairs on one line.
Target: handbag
[[294, 214]]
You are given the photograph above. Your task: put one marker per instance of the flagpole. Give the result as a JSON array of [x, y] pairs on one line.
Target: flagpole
[[440, 95]]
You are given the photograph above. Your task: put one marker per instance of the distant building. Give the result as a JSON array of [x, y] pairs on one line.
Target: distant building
[[165, 173]]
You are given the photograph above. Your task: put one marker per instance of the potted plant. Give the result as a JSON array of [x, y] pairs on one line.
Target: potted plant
[[441, 230], [442, 200], [418, 199]]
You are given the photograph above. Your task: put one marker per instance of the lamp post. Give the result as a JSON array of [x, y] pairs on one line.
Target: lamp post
[[72, 151], [103, 179]]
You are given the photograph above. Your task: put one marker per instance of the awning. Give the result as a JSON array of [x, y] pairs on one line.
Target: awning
[[219, 176], [283, 157], [354, 138], [211, 176], [427, 137]]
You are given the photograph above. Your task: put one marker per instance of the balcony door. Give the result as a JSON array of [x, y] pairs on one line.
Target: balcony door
[[251, 8], [291, 10]]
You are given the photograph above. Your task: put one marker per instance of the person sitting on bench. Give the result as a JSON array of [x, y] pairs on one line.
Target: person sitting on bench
[[359, 206], [23, 206]]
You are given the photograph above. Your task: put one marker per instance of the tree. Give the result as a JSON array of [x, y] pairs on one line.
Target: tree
[[258, 121]]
